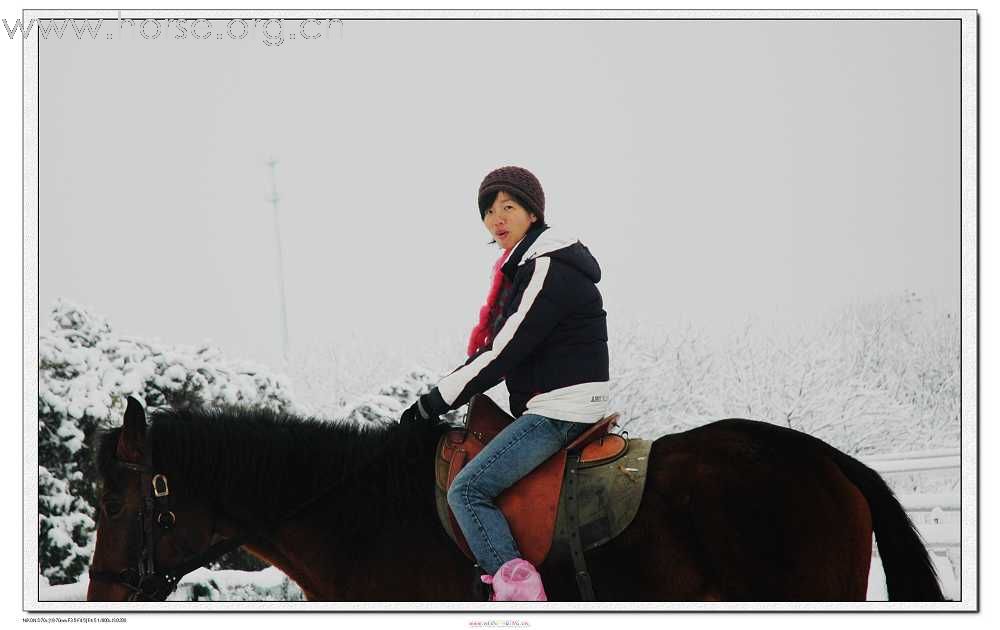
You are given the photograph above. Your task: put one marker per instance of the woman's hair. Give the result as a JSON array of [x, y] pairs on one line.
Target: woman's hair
[[487, 200]]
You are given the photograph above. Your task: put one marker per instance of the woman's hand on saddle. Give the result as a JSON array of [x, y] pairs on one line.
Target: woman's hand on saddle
[[429, 406], [412, 413]]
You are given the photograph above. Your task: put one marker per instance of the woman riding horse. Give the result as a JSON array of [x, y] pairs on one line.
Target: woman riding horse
[[734, 510], [543, 329]]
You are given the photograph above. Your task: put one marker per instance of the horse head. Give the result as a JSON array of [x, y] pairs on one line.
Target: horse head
[[150, 532]]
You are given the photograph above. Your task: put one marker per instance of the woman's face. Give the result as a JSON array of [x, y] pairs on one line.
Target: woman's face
[[507, 221]]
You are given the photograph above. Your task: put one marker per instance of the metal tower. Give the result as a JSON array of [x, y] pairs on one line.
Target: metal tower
[[280, 259]]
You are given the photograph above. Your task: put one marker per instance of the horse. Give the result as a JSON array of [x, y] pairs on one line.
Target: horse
[[734, 510]]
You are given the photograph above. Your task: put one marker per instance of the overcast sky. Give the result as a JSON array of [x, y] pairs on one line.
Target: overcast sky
[[716, 169]]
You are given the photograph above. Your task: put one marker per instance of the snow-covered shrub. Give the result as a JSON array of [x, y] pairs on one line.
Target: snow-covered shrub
[[85, 373], [268, 585], [875, 377], [202, 584], [388, 403]]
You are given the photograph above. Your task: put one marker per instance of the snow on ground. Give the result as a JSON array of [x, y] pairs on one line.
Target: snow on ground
[[947, 577], [76, 592], [201, 584]]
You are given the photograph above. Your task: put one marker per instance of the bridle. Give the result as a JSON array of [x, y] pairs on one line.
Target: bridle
[[147, 581]]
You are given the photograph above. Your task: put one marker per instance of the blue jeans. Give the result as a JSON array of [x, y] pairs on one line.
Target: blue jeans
[[521, 447]]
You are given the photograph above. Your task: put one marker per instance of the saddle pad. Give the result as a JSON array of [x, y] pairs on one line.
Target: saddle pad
[[608, 494]]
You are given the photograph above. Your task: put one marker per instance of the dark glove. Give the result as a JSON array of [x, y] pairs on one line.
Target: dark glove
[[411, 414], [427, 407]]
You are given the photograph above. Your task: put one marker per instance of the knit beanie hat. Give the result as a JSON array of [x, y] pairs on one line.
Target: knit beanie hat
[[516, 181]]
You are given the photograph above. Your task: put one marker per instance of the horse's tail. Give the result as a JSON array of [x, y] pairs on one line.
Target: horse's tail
[[909, 573]]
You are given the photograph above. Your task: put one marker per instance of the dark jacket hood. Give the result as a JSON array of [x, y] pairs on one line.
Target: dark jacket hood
[[547, 241]]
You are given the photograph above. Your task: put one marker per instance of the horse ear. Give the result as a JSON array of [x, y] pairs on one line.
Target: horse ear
[[132, 440]]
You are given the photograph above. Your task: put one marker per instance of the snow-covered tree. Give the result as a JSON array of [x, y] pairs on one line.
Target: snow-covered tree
[[388, 403], [660, 382], [877, 376], [85, 373]]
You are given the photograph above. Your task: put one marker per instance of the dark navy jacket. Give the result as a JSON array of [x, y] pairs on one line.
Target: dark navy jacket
[[551, 340]]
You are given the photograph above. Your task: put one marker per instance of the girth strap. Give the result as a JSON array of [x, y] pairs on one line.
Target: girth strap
[[580, 571]]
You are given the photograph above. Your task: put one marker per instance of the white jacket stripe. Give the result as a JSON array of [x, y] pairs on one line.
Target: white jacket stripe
[[453, 384]]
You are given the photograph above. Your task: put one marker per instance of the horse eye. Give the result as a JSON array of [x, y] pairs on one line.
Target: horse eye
[[113, 508]]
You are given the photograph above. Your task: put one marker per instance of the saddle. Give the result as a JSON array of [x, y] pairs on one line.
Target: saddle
[[575, 500]]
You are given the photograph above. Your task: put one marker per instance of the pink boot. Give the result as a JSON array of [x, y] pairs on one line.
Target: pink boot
[[516, 581]]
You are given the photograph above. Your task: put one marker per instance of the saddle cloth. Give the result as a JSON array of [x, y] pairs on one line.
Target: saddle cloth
[[610, 478]]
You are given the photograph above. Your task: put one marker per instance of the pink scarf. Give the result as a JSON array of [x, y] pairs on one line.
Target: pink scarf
[[481, 335]]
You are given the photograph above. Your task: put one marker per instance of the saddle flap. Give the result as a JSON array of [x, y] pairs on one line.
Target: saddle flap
[[530, 505]]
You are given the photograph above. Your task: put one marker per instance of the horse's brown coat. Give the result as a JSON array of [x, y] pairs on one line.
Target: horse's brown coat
[[734, 510]]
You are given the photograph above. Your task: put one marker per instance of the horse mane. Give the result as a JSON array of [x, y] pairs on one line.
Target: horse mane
[[258, 464]]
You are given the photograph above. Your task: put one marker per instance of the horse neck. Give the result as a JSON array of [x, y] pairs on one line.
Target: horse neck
[[262, 472], [375, 511]]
